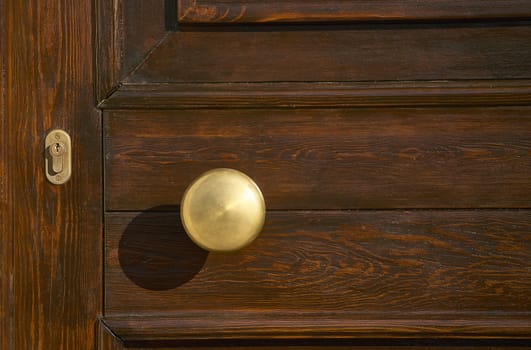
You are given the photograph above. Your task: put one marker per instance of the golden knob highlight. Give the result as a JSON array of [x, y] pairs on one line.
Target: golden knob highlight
[[223, 210]]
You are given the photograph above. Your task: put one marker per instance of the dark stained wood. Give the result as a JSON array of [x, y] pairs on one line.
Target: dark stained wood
[[125, 35], [436, 269], [108, 44], [342, 53], [6, 195], [289, 105], [326, 159], [245, 11], [144, 27], [248, 325], [57, 246], [303, 95], [402, 344], [367, 345], [108, 340]]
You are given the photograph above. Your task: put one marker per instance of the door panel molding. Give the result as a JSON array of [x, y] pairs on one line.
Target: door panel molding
[[294, 11], [125, 36], [142, 60], [241, 326], [107, 339], [315, 95]]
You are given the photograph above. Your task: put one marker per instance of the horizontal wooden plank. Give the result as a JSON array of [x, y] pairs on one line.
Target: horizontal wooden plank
[[430, 271], [302, 95], [405, 344], [327, 344], [325, 159], [341, 53], [245, 11], [274, 329]]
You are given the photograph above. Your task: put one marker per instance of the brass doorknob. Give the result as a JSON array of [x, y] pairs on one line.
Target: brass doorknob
[[223, 210]]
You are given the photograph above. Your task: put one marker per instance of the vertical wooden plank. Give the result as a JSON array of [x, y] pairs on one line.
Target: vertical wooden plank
[[6, 229], [57, 235]]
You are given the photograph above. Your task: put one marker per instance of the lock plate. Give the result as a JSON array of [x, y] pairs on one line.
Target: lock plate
[[58, 156]]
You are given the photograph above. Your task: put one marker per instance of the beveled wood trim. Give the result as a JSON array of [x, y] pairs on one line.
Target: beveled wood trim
[[107, 339], [301, 95], [124, 36], [296, 11], [362, 53], [109, 41], [299, 325]]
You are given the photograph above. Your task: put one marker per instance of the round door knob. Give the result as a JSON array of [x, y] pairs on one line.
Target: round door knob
[[223, 210]]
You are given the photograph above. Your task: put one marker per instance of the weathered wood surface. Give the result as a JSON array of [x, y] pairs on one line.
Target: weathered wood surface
[[326, 159], [339, 95], [56, 282], [451, 265], [312, 329], [244, 11], [107, 339], [6, 195], [341, 53], [125, 34], [349, 345], [201, 97]]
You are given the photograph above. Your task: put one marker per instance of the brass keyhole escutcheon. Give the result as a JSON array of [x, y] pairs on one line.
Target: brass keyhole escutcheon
[[223, 210], [58, 157]]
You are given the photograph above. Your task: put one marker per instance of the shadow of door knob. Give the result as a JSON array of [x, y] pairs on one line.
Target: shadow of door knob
[[223, 210]]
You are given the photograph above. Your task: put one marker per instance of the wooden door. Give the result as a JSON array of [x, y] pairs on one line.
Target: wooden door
[[391, 140]]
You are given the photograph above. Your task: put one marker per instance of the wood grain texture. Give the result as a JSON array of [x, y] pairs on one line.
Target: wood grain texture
[[126, 33], [144, 27], [360, 344], [109, 46], [108, 340], [449, 266], [326, 158], [254, 326], [57, 250], [6, 195], [341, 53], [304, 95], [245, 11]]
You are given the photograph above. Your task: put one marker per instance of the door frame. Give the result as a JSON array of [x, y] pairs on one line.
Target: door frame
[[51, 245]]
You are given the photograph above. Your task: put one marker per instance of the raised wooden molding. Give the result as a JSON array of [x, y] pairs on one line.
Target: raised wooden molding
[[107, 339], [299, 95], [209, 325], [240, 11], [134, 43], [124, 37]]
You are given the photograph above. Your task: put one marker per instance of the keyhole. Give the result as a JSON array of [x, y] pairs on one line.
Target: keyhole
[[57, 149]]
